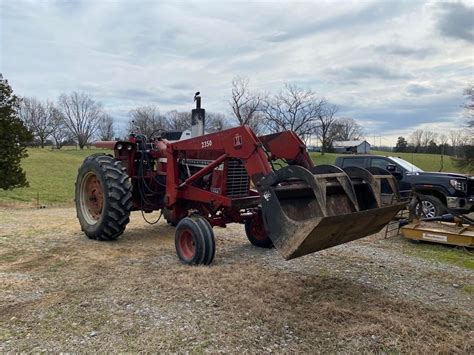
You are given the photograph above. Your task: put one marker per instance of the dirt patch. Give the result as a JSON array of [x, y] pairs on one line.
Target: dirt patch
[[63, 292]]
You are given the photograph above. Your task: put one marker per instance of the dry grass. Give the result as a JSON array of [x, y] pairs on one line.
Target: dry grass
[[62, 292]]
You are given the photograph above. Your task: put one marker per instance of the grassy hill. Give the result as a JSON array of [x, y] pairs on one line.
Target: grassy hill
[[52, 173]]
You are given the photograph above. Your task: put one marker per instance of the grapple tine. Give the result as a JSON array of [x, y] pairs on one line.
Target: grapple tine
[[305, 212]]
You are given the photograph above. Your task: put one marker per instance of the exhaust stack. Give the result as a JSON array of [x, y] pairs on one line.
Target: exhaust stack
[[198, 117]]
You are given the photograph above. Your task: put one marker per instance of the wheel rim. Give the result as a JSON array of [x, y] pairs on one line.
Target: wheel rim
[[186, 244], [92, 198], [428, 209], [257, 229]]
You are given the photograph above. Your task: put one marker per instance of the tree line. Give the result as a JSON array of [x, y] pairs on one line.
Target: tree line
[[77, 118], [426, 141], [292, 108], [457, 143]]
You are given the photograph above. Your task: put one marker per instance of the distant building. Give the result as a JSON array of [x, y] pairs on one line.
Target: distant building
[[313, 148], [354, 147]]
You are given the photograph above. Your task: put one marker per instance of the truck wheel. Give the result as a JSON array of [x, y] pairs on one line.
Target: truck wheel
[[103, 197], [256, 234], [194, 241], [429, 206]]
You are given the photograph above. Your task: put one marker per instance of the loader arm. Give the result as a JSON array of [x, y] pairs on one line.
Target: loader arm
[[287, 146]]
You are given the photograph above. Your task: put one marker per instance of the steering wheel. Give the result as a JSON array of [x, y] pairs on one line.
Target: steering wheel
[[155, 132]]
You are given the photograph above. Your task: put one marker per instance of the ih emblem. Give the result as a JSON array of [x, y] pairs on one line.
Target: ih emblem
[[237, 141]]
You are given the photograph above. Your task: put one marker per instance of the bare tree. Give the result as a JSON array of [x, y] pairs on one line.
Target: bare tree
[[178, 121], [416, 138], [347, 129], [465, 151], [443, 139], [246, 105], [106, 128], [454, 137], [215, 121], [38, 117], [428, 137], [293, 109], [326, 118], [28, 108], [61, 132], [81, 116], [146, 120]]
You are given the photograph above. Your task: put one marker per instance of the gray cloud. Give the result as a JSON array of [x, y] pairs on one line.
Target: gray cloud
[[371, 13], [456, 20], [367, 71], [126, 54], [417, 89], [405, 51]]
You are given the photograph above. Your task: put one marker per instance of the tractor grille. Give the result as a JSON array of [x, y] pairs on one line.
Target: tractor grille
[[237, 179]]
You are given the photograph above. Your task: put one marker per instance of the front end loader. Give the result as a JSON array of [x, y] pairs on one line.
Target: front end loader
[[231, 176]]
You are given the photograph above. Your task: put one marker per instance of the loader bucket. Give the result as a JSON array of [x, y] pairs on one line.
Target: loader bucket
[[306, 211]]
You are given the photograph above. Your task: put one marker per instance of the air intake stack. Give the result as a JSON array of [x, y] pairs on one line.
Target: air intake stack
[[198, 116]]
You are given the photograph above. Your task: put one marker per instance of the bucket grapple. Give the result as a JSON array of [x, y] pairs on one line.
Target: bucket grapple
[[310, 210], [231, 177]]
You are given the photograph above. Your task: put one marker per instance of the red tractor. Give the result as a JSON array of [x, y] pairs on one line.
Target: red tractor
[[268, 183]]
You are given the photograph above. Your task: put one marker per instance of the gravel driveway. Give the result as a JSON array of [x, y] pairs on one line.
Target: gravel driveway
[[63, 292]]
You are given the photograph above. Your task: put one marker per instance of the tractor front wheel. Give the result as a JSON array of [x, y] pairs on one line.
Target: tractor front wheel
[[194, 241], [103, 197], [256, 233]]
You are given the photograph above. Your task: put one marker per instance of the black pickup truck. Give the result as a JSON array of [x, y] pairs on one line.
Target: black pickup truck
[[439, 190]]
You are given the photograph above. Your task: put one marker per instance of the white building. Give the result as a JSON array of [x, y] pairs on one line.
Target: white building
[[357, 147]]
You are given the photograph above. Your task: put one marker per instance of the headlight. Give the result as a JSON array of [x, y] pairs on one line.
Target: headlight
[[458, 184], [119, 146]]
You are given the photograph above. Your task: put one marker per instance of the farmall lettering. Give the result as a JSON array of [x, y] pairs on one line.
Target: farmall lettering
[[237, 141]]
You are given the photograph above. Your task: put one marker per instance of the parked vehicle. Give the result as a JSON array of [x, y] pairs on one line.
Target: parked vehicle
[[439, 190]]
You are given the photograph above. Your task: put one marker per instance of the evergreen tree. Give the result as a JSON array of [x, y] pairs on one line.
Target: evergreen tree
[[402, 145], [13, 138]]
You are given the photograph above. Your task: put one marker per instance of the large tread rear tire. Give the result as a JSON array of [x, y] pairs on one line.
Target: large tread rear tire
[[109, 220], [194, 241]]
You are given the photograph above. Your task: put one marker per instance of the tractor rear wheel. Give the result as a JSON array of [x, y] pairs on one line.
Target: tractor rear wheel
[[103, 197], [194, 241], [256, 233]]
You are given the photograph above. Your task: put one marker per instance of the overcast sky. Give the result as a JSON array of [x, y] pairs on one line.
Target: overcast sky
[[392, 66]]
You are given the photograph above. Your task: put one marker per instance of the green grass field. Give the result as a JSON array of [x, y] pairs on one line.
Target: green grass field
[[52, 173]]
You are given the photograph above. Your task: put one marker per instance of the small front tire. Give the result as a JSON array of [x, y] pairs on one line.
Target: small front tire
[[194, 241]]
